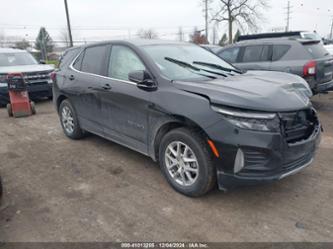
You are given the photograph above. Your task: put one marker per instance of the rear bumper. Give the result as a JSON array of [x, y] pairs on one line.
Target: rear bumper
[[35, 91], [325, 87]]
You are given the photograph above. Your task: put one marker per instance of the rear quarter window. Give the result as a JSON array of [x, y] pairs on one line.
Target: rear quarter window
[[279, 51], [68, 57], [316, 50], [230, 55]]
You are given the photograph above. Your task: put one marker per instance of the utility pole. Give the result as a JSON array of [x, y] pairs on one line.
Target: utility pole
[[331, 34], [289, 7], [180, 34], [68, 25], [214, 35], [206, 17]]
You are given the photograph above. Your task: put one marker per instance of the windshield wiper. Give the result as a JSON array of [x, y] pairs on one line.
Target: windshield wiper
[[182, 63], [216, 66], [189, 66]]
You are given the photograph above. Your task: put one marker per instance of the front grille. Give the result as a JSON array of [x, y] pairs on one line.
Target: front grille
[[37, 77], [298, 126]]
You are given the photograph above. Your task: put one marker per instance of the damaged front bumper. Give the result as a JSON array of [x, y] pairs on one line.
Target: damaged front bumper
[[266, 156]]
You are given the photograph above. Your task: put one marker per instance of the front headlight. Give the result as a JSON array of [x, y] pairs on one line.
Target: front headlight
[[249, 120], [3, 80]]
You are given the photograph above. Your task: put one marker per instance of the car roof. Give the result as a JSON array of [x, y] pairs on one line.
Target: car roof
[[270, 40], [12, 50], [140, 42], [283, 41]]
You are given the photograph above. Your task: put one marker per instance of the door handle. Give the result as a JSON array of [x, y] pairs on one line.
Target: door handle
[[104, 88], [107, 87], [71, 77]]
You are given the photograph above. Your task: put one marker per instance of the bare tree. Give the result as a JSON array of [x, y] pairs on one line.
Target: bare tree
[[23, 44], [214, 35], [147, 34], [2, 39], [244, 13]]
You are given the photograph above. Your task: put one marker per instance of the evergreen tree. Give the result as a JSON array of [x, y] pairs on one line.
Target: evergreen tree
[[238, 33], [44, 43], [223, 41]]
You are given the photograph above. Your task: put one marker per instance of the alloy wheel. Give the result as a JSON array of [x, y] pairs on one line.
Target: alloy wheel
[[67, 119], [181, 163]]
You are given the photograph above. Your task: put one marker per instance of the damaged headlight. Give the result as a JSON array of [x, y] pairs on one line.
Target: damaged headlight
[[250, 120]]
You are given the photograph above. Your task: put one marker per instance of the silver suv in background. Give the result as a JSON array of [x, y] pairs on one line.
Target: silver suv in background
[[304, 57], [329, 48], [37, 75]]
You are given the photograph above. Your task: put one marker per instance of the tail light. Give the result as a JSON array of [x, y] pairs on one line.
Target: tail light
[[53, 76], [310, 69]]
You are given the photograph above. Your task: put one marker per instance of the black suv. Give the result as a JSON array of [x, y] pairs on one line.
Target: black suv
[[199, 117]]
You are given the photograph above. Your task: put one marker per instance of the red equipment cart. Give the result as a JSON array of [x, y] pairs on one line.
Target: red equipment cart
[[20, 104]]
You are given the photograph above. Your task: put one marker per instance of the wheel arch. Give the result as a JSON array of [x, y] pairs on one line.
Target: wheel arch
[[174, 122], [59, 100]]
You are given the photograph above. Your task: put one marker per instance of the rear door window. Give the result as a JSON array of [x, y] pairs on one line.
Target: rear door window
[[279, 51], [256, 53], [316, 50], [230, 55], [94, 59]]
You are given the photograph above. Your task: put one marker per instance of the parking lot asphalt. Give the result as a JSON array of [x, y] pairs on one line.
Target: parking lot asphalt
[[95, 190]]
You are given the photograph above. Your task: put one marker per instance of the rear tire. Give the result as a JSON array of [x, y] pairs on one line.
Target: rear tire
[[9, 110], [69, 121], [193, 173], [33, 108]]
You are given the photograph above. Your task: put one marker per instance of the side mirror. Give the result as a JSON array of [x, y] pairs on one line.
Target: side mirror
[[42, 62], [143, 80]]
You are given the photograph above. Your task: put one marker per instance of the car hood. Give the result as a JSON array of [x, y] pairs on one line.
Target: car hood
[[254, 90], [26, 69]]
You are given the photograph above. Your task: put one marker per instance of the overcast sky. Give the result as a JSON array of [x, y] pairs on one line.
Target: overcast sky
[[112, 19]]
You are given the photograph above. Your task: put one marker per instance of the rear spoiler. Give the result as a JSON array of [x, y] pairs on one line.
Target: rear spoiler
[[308, 41]]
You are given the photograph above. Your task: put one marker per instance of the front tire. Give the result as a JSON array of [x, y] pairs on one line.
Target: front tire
[[69, 121], [186, 162]]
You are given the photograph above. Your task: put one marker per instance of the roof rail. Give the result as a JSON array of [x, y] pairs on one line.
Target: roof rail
[[296, 34]]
